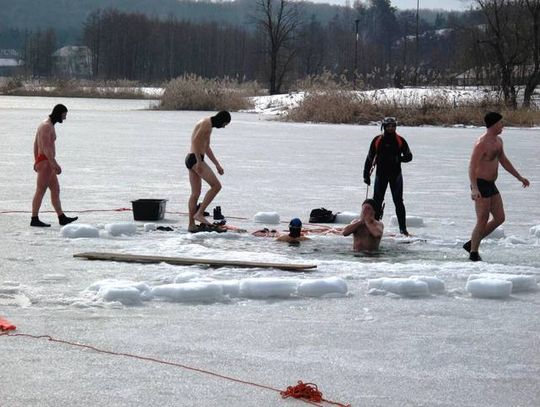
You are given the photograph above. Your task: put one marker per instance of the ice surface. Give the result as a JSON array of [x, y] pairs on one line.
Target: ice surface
[[437, 350]]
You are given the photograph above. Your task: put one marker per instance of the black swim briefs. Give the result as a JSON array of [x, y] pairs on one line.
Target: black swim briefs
[[486, 188], [191, 160]]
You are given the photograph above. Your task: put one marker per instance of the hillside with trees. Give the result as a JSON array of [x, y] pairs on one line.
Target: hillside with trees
[[278, 42]]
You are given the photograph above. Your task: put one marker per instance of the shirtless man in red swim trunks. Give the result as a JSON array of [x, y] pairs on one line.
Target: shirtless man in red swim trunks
[[487, 154], [199, 170], [47, 168]]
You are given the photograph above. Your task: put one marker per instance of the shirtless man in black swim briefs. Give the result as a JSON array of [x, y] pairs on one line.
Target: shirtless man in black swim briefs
[[487, 153], [200, 170]]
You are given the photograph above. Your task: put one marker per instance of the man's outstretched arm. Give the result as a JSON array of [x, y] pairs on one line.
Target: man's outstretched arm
[[507, 165]]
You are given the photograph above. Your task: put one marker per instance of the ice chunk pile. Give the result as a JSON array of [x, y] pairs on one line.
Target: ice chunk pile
[[519, 282], [346, 217], [73, 231], [414, 286], [149, 227], [320, 287], [497, 233], [186, 290], [412, 221], [271, 218], [125, 292], [489, 288], [121, 228], [535, 231], [190, 292]]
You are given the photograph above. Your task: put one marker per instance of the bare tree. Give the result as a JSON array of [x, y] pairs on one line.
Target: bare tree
[[279, 21], [533, 6], [508, 38]]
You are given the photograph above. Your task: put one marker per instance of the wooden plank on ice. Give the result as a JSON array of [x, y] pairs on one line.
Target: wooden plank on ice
[[183, 261]]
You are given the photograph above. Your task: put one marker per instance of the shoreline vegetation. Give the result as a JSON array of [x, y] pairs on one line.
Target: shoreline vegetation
[[322, 99]]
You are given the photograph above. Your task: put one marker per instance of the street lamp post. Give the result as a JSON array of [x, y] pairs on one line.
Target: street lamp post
[[355, 53], [417, 44]]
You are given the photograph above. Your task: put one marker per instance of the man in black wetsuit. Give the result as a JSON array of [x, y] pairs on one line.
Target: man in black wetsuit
[[387, 151]]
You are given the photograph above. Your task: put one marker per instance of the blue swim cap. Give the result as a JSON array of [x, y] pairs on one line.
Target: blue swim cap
[[295, 222]]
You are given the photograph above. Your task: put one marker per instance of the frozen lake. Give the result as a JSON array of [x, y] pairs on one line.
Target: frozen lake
[[446, 349]]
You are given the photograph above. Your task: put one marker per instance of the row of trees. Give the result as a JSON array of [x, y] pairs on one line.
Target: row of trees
[[278, 45], [371, 44]]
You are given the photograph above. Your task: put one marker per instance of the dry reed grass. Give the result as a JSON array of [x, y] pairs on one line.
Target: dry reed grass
[[340, 106], [120, 89], [192, 92]]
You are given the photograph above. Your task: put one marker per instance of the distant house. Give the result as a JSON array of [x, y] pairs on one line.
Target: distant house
[[477, 76], [490, 75], [10, 62], [73, 62]]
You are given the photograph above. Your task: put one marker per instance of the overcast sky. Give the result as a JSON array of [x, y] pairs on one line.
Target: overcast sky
[[405, 4]]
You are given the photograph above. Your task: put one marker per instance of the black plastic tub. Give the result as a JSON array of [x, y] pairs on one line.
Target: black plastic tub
[[149, 209]]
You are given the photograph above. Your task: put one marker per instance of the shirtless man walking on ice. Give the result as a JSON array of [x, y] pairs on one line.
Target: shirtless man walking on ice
[[487, 153], [200, 170], [47, 167]]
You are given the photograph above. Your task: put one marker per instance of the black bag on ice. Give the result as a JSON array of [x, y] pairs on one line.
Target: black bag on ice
[[321, 215]]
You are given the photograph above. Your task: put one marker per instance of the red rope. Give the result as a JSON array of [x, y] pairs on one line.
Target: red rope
[[290, 392], [81, 211], [308, 392]]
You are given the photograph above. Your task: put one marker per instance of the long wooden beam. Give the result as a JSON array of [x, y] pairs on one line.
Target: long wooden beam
[[183, 261]]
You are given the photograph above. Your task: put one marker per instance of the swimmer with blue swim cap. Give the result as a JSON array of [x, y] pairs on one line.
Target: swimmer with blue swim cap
[[295, 232]]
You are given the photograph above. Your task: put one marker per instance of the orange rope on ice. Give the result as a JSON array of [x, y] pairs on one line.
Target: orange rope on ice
[[303, 392]]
